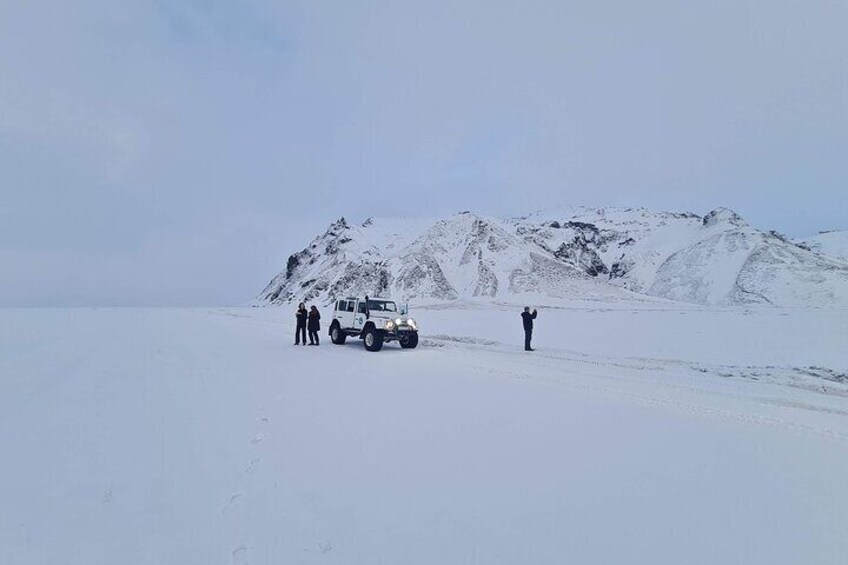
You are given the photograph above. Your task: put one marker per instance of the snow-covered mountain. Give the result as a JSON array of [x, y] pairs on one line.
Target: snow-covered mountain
[[833, 244], [603, 253]]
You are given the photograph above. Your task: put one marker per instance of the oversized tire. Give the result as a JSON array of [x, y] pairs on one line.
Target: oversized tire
[[337, 336], [373, 340], [410, 341]]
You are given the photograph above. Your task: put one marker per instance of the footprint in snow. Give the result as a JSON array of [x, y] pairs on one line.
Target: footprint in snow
[[239, 555], [252, 465], [232, 503], [257, 438]]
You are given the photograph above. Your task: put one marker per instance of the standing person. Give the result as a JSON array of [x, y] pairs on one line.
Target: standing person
[[300, 328], [528, 318], [314, 325]]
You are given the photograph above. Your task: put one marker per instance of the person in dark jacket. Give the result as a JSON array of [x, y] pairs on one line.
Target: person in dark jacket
[[300, 328], [528, 318], [314, 325]]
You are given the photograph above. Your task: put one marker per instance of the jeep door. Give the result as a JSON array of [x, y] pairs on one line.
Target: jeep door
[[344, 313], [359, 317]]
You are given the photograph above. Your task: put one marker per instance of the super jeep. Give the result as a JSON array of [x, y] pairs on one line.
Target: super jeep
[[373, 320]]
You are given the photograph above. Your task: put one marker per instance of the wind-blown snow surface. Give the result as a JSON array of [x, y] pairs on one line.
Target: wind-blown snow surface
[[603, 254], [637, 433]]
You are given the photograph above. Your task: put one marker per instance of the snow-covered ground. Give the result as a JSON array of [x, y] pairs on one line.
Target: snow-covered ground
[[637, 433]]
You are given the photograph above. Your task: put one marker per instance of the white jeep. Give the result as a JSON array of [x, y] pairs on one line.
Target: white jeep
[[374, 321]]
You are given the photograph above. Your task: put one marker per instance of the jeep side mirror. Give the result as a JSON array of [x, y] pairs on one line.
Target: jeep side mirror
[[403, 310]]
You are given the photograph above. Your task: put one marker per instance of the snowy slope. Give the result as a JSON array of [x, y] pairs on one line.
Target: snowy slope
[[465, 255], [718, 259], [637, 433], [604, 253], [833, 244]]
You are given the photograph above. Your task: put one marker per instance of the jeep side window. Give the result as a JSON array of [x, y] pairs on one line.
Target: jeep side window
[[382, 306], [361, 308], [350, 305], [341, 305]]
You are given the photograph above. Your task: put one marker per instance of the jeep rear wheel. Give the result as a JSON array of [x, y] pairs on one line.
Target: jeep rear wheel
[[410, 341], [373, 341], [337, 336]]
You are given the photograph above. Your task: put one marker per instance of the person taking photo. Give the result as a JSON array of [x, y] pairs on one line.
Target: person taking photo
[[527, 318]]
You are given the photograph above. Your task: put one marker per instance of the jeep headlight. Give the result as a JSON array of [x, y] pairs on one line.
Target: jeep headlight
[[390, 325], [412, 324]]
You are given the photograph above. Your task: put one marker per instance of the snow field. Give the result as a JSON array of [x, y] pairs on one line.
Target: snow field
[[634, 434]]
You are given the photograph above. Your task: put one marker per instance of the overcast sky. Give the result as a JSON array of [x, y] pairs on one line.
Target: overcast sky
[[176, 152]]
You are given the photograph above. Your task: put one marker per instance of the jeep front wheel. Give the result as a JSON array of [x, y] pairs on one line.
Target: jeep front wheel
[[373, 341], [409, 341], [337, 336]]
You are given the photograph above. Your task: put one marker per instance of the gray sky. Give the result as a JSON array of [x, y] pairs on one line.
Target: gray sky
[[176, 152]]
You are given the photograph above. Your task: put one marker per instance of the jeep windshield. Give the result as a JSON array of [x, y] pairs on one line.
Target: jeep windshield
[[382, 306]]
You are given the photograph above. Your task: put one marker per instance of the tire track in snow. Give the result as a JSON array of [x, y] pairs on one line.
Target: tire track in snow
[[811, 379], [552, 362]]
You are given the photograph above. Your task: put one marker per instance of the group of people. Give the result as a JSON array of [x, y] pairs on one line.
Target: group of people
[[307, 321], [310, 320]]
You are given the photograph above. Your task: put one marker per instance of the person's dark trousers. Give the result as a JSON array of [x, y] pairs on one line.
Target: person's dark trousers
[[313, 338], [300, 335], [528, 335]]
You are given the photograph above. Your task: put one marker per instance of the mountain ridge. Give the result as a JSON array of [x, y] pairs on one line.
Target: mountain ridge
[[599, 253]]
